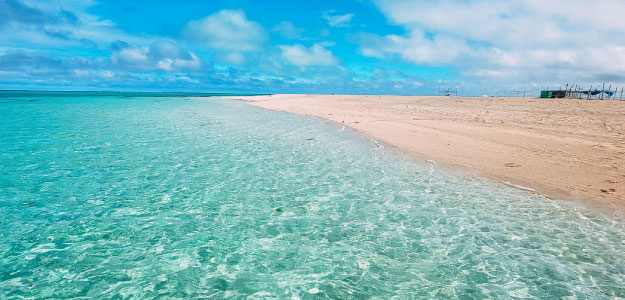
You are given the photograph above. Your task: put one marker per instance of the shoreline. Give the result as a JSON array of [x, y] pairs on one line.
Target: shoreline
[[507, 140]]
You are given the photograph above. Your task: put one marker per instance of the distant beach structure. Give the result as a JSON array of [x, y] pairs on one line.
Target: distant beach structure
[[448, 91], [590, 93]]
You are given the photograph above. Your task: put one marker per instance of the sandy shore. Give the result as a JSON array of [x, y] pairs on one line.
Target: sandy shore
[[563, 148]]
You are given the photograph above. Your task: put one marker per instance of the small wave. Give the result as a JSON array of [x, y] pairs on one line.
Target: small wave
[[520, 187]]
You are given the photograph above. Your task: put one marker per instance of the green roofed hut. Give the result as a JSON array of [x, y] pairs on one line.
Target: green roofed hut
[[553, 94]]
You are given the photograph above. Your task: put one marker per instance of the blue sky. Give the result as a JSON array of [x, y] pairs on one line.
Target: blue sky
[[366, 46]]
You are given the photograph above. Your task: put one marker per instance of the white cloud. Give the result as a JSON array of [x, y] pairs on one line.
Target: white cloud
[[164, 56], [338, 20], [131, 56], [513, 40], [302, 56], [226, 30], [415, 48]]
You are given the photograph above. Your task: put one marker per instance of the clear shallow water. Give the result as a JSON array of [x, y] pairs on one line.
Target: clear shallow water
[[141, 197]]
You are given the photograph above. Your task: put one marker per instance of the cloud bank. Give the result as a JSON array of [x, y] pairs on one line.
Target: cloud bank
[[393, 46], [164, 56], [517, 40]]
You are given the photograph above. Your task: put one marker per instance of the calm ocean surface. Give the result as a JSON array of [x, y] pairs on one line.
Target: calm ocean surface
[[166, 195]]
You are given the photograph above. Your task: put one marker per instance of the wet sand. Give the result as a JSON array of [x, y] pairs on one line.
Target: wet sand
[[562, 148]]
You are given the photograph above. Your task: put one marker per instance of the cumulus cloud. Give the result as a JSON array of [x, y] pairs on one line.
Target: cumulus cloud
[[226, 30], [40, 42], [415, 47], [518, 39], [316, 55], [337, 20], [163, 56]]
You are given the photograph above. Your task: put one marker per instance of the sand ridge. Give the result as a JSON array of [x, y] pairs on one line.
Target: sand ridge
[[564, 148]]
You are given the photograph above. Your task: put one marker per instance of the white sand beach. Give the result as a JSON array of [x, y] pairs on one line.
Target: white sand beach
[[563, 148]]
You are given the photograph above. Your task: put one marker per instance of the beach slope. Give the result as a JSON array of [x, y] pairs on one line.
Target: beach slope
[[564, 148]]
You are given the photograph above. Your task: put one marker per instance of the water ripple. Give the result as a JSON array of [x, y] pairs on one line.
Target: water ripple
[[180, 197]]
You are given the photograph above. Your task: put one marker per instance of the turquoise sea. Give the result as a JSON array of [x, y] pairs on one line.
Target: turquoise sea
[[177, 196]]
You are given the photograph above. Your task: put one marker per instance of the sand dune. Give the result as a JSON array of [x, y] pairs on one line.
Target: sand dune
[[567, 149]]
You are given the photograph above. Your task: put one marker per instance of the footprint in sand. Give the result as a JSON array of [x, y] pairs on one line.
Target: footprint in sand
[[608, 191]]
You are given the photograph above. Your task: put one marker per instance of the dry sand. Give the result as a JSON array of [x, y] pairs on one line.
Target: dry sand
[[562, 148]]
